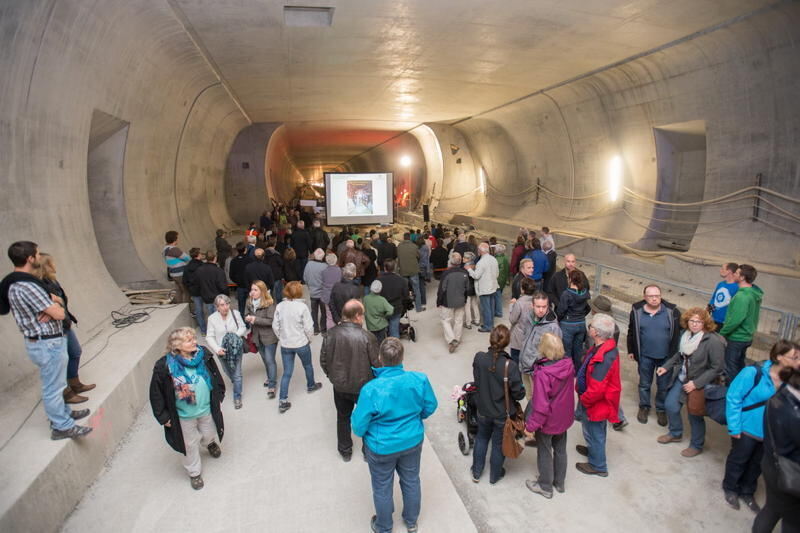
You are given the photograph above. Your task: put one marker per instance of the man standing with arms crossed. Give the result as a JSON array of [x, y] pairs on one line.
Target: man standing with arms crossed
[[348, 354], [39, 316]]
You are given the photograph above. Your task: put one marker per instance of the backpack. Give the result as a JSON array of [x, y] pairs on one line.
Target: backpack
[[716, 403]]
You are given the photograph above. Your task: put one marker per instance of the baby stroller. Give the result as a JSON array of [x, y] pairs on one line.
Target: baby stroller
[[467, 413], [406, 329]]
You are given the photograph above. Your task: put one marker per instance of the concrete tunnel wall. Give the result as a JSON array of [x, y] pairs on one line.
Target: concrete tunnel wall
[[132, 60]]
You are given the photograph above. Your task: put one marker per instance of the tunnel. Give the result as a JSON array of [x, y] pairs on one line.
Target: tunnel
[[654, 138]]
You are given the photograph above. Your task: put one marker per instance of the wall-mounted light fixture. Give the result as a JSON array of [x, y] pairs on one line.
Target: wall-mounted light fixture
[[614, 177], [405, 161], [482, 180]]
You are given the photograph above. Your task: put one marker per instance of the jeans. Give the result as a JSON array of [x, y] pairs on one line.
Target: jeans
[[551, 458], [414, 282], [318, 308], [779, 506], [345, 402], [241, 296], [380, 334], [232, 365], [210, 309], [487, 311], [673, 404], [743, 465], [489, 429], [287, 356], [381, 470], [200, 313], [394, 325], [74, 352], [277, 292], [514, 353], [573, 335], [595, 435], [498, 303], [647, 367], [50, 355], [734, 357], [301, 266], [422, 295], [268, 357]]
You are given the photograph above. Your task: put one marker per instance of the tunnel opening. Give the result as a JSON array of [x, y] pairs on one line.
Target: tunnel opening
[[681, 168], [108, 136]]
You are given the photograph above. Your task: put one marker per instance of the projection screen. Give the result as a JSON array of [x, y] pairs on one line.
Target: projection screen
[[359, 198]]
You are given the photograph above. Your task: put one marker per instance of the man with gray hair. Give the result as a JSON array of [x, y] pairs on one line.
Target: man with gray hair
[[598, 384], [312, 276], [347, 356], [451, 298], [485, 274], [389, 417], [302, 245], [319, 237], [347, 289]]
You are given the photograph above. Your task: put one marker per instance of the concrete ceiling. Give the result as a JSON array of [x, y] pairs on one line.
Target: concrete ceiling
[[387, 65]]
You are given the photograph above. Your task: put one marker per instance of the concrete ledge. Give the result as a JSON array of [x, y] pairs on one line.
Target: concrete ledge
[[43, 480]]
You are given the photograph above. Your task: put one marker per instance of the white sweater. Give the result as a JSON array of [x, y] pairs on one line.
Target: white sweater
[[217, 328], [292, 324], [485, 275]]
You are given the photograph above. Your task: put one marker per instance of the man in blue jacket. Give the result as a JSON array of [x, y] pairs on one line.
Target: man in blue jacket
[[389, 417], [541, 264]]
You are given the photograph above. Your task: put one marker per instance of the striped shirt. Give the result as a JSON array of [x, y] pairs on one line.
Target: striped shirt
[[176, 260], [27, 301]]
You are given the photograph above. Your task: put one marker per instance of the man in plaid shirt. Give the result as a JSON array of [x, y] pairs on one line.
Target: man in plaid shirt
[[39, 317]]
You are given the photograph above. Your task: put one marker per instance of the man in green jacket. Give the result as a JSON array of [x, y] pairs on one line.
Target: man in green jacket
[[741, 320], [502, 278], [377, 310], [408, 266]]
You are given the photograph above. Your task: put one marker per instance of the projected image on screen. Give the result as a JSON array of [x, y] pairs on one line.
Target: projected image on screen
[[359, 198]]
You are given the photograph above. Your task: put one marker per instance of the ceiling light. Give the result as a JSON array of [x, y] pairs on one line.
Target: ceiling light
[[614, 177], [405, 161]]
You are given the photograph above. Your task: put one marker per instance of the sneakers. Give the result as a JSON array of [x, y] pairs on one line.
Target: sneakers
[[346, 457], [412, 528], [586, 468], [732, 499], [214, 450], [72, 433], [315, 388], [583, 450], [316, 332], [667, 438], [661, 416], [534, 487], [619, 425], [452, 346], [468, 326], [691, 452], [81, 413], [372, 523], [284, 405], [642, 415], [271, 393], [196, 482], [751, 504], [237, 404]]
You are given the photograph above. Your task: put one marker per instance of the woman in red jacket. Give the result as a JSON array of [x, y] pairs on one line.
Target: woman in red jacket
[[599, 387]]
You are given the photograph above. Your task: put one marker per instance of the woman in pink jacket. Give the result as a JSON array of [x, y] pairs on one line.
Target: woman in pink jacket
[[551, 414]]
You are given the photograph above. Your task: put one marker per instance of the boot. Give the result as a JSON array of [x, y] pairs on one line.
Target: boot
[[71, 397], [78, 387]]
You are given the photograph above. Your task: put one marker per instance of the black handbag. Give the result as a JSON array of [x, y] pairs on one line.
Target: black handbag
[[787, 471]]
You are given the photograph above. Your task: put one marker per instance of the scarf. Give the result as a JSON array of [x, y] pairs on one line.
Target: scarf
[[184, 387], [689, 342]]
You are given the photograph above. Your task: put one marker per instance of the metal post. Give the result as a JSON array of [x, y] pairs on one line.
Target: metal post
[[598, 274], [757, 203]]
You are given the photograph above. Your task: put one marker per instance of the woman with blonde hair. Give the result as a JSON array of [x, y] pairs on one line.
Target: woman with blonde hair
[[186, 391], [699, 361], [293, 326], [259, 313], [551, 414], [72, 394]]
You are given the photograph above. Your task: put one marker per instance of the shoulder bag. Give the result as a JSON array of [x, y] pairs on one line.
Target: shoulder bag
[[787, 471], [514, 426]]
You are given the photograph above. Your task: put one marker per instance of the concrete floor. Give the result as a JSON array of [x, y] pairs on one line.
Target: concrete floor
[[282, 472]]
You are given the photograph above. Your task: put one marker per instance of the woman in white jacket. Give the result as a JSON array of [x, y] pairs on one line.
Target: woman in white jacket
[[224, 333], [294, 328]]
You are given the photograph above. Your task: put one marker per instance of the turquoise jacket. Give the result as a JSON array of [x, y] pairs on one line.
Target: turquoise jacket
[[739, 396], [391, 408]]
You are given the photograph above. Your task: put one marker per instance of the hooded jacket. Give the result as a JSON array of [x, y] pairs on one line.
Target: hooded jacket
[[603, 385], [573, 306], [391, 408], [165, 408], [529, 353], [742, 318], [741, 394], [553, 401], [635, 342]]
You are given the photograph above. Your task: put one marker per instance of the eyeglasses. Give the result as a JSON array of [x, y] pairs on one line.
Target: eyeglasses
[[695, 321]]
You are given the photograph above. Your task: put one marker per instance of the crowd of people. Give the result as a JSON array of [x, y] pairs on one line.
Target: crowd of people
[[360, 286]]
